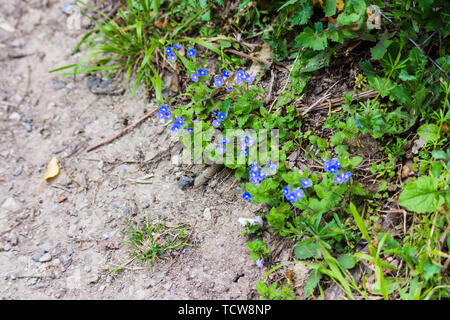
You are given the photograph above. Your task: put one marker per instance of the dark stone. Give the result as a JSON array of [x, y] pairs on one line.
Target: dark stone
[[184, 181]]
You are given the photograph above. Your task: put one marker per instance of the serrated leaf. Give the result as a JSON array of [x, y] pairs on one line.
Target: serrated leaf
[[306, 249], [310, 38], [421, 196], [429, 132], [52, 169], [381, 47], [312, 283]]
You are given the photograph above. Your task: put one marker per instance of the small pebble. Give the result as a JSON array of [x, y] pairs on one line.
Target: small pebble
[[58, 84], [18, 170], [185, 181], [27, 126], [46, 257], [36, 256]]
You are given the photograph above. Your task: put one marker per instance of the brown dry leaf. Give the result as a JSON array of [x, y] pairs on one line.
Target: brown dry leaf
[[52, 169], [62, 199], [265, 53], [445, 127], [406, 170]]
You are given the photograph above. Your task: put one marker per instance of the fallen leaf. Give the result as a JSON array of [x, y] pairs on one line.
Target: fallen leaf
[[62, 199], [52, 169]]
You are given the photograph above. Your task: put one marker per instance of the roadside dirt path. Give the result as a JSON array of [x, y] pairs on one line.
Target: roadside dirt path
[[60, 239]]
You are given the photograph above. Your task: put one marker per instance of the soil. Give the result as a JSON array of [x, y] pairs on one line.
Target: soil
[[61, 238]]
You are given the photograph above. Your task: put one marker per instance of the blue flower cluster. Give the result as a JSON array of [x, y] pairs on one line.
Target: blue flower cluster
[[219, 118], [293, 195], [171, 56], [177, 126], [333, 166], [257, 174], [164, 114], [246, 142]]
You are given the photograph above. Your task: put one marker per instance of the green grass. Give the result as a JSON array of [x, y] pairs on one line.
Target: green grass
[[155, 241]]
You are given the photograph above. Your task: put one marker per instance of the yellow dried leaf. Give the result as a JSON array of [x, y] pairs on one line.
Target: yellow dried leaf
[[340, 5], [52, 169]]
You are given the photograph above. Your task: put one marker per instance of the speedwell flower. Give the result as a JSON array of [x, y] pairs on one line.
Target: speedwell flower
[[202, 72], [246, 196], [306, 183], [191, 53]]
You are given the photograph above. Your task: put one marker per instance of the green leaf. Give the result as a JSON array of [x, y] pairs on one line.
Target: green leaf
[[345, 19], [310, 38], [430, 270], [306, 249], [346, 261], [429, 132], [421, 196], [303, 14], [330, 7], [312, 282], [380, 49]]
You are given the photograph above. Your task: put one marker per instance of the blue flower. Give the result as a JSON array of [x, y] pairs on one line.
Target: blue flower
[[245, 151], [272, 166], [189, 130], [285, 191], [299, 193], [214, 112], [332, 166], [254, 174], [218, 82], [346, 176], [260, 262], [254, 166], [358, 124], [180, 122], [177, 46], [168, 50], [175, 128], [255, 180], [172, 57], [240, 74], [306, 183], [225, 73], [248, 77], [194, 77], [339, 178], [220, 149], [202, 72], [163, 108], [246, 196], [216, 123], [225, 140], [262, 174], [191, 53], [291, 196], [221, 116], [229, 89]]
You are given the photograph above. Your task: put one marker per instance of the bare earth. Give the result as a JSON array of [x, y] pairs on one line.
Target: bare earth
[[77, 220]]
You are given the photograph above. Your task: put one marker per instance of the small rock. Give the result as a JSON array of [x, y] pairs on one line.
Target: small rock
[[46, 257], [11, 204], [318, 90], [18, 170], [45, 247], [58, 84], [185, 181], [27, 126], [207, 214], [68, 8], [14, 116], [92, 82], [36, 256], [126, 213], [63, 259]]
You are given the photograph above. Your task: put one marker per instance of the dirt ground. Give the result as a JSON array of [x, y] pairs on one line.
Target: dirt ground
[[60, 239]]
